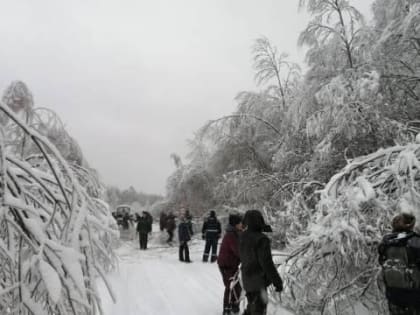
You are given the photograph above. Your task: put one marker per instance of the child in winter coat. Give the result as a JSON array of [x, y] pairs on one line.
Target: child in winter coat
[[228, 261]]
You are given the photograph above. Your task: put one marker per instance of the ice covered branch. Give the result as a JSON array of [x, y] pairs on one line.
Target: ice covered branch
[[55, 232]]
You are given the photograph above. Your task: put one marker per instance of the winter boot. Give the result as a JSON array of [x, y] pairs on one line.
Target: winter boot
[[226, 311], [235, 309]]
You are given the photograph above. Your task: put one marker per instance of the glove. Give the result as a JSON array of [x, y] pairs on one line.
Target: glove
[[280, 287]]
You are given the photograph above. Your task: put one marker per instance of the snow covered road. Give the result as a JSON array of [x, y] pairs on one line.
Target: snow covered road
[[154, 282]]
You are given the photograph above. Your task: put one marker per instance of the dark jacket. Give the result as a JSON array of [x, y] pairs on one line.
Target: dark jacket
[[162, 221], [228, 257], [143, 225], [189, 218], [149, 217], [258, 269], [184, 233], [401, 248], [211, 228], [170, 223]]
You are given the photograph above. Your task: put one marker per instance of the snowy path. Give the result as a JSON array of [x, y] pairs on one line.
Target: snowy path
[[154, 282]]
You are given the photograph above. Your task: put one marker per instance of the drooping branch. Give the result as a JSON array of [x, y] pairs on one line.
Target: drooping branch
[[265, 122], [52, 229]]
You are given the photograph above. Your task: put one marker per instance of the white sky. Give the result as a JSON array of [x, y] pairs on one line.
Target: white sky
[[133, 79]]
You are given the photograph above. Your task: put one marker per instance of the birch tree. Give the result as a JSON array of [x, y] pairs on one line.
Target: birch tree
[[333, 20], [270, 65]]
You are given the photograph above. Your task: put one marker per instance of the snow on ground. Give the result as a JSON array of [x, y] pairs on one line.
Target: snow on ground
[[154, 282]]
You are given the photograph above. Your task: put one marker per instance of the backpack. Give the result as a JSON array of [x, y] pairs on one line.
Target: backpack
[[399, 257]]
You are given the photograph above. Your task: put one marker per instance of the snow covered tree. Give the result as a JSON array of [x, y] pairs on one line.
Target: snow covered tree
[[397, 56], [190, 187], [270, 65], [56, 233], [333, 21], [18, 97], [338, 255]]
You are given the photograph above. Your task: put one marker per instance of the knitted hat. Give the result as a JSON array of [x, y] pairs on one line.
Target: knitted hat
[[234, 219]]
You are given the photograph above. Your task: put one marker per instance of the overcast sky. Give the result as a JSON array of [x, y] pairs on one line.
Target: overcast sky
[[133, 79]]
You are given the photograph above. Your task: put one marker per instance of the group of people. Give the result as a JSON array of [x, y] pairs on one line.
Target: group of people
[[123, 219], [244, 244], [245, 248]]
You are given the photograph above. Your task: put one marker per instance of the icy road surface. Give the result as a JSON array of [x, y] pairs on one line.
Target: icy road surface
[[154, 282]]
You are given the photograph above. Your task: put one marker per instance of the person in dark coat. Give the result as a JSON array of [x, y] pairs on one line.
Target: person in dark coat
[[170, 227], [149, 217], [399, 256], [211, 233], [184, 236], [257, 267], [143, 228], [189, 219], [228, 261], [162, 221]]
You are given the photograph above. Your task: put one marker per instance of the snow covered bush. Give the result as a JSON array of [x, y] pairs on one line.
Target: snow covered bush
[[298, 207], [350, 122], [55, 231], [333, 268]]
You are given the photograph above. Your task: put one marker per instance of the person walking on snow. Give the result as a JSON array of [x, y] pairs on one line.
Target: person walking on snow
[[143, 228], [189, 218], [257, 267], [162, 221], [228, 261], [211, 233], [184, 236], [149, 218], [399, 256], [170, 227]]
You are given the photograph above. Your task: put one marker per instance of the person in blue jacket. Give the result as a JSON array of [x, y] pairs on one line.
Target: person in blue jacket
[[211, 232], [184, 236]]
